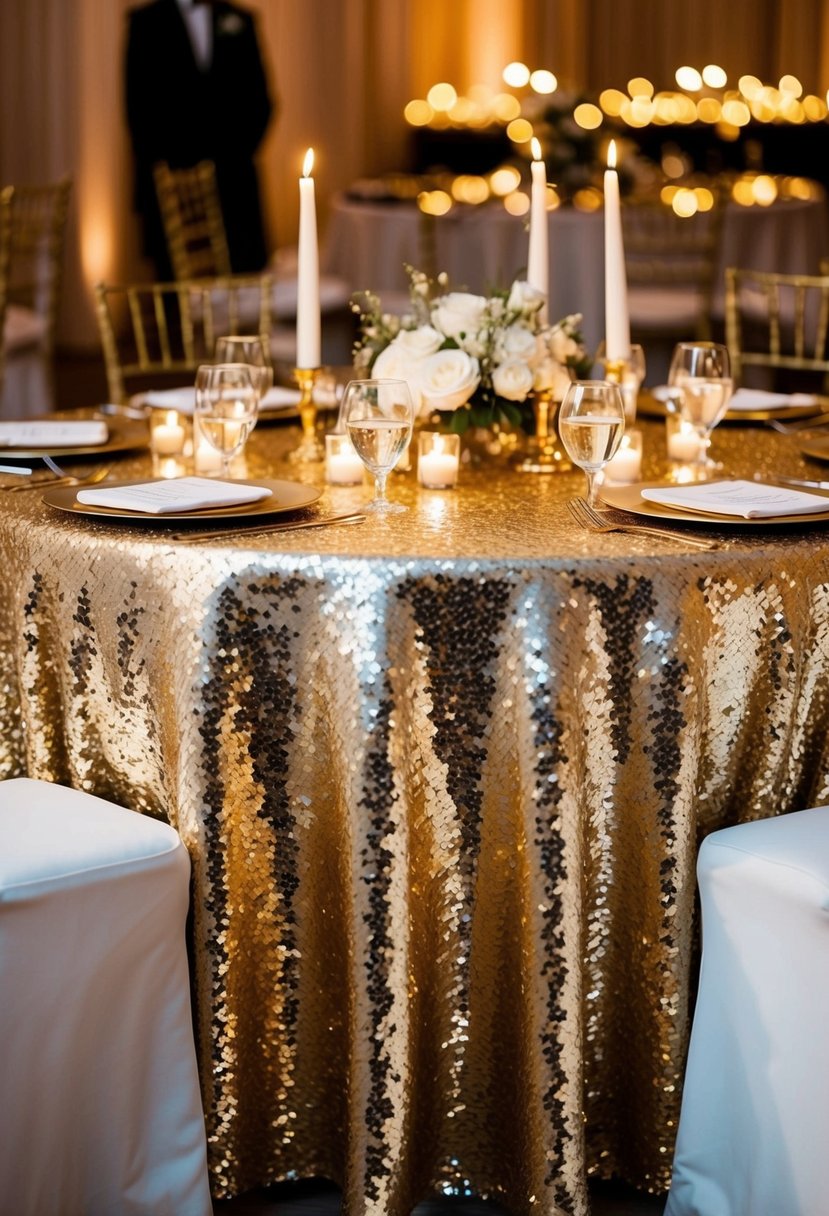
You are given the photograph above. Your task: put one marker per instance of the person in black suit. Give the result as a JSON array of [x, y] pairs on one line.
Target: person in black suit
[[196, 89]]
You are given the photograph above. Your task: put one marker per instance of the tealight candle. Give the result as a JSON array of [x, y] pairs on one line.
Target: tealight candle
[[206, 458], [167, 437], [438, 460], [343, 467], [626, 465], [684, 444]]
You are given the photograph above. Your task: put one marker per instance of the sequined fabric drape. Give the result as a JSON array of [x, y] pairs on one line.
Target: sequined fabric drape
[[442, 779]]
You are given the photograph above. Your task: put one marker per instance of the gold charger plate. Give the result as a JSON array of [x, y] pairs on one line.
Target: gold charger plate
[[652, 407], [817, 448], [285, 496], [125, 434], [629, 498]]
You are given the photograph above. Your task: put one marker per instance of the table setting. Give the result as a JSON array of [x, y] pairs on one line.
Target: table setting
[[441, 747]]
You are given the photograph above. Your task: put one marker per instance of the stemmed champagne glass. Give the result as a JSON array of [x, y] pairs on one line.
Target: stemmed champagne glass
[[702, 373], [591, 423], [253, 349], [378, 418], [227, 400]]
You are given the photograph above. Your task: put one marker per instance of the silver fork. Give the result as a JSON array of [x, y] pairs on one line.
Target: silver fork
[[816, 422], [594, 521], [62, 478]]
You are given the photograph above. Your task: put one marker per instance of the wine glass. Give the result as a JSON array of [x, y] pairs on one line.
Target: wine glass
[[702, 373], [591, 422], [629, 375], [227, 399], [253, 349], [378, 418]]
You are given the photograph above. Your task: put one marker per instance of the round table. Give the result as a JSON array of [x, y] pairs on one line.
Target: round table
[[442, 778]]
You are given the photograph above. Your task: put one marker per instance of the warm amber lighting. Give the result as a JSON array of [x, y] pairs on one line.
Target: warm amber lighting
[[542, 81], [674, 164], [790, 85], [688, 78], [552, 200], [418, 113], [516, 75], [814, 108], [714, 76], [587, 116], [640, 86], [442, 96], [611, 154], [709, 110], [502, 181], [611, 101], [469, 188], [308, 163], [505, 107], [667, 193], [764, 190], [705, 199], [517, 203], [434, 202], [684, 203], [641, 109], [96, 247], [589, 199], [520, 131], [686, 109], [535, 148], [750, 87], [743, 193], [736, 113]]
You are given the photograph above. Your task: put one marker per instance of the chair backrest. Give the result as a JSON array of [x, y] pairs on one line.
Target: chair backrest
[[776, 320], [37, 231], [165, 330], [191, 214], [666, 250]]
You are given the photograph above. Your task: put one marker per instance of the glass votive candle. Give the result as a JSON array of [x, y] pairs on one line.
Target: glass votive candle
[[438, 459], [685, 445], [626, 465], [343, 467], [168, 432]]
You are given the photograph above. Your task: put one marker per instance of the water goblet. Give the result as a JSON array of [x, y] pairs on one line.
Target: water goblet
[[227, 399], [702, 373], [591, 422], [378, 418], [253, 349]]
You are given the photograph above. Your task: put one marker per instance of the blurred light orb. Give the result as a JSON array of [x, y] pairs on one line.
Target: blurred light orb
[[442, 96], [517, 203], [520, 131], [418, 113], [588, 199], [709, 110], [542, 81], [791, 85], [640, 86], [705, 199], [503, 181], [505, 107], [687, 78], [434, 202], [764, 190], [714, 76], [469, 188], [685, 203], [736, 113], [516, 74], [611, 101], [588, 116]]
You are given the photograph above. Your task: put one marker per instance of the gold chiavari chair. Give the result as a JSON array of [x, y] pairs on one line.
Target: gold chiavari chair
[[191, 215], [671, 263], [36, 234], [153, 332], [777, 321]]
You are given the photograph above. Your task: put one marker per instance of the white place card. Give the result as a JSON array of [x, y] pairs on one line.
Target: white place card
[[173, 496], [49, 433], [759, 399], [184, 399], [745, 499]]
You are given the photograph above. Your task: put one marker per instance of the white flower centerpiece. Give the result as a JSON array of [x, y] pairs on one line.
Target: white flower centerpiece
[[478, 360]]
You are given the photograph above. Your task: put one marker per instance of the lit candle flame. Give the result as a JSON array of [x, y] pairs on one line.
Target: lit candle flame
[[536, 148], [611, 155], [308, 163]]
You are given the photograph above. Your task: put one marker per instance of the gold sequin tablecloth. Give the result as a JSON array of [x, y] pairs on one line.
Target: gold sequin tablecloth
[[443, 780]]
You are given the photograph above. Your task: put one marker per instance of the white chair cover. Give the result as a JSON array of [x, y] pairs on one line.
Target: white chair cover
[[755, 1107], [100, 1101]]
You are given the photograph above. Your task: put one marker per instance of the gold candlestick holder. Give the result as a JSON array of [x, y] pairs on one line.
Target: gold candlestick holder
[[614, 370], [544, 452], [310, 448]]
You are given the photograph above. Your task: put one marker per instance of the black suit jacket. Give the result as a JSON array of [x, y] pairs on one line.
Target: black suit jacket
[[180, 114]]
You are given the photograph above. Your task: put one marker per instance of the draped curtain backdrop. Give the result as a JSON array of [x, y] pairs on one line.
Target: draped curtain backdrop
[[342, 71]]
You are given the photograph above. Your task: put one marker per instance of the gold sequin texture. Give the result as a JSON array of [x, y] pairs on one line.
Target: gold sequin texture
[[442, 778]]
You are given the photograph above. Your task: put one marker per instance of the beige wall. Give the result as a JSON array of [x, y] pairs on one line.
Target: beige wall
[[343, 69]]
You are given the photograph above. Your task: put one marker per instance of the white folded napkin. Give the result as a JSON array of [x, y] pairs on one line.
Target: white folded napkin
[[746, 499], [184, 399], [49, 433], [759, 399], [173, 496]]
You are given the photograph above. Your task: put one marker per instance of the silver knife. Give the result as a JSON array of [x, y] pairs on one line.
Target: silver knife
[[282, 526], [794, 481]]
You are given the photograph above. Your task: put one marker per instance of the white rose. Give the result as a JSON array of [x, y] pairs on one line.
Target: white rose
[[552, 376], [420, 342], [448, 379], [395, 363], [458, 312], [525, 299], [474, 344], [515, 342], [512, 380], [562, 347]]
